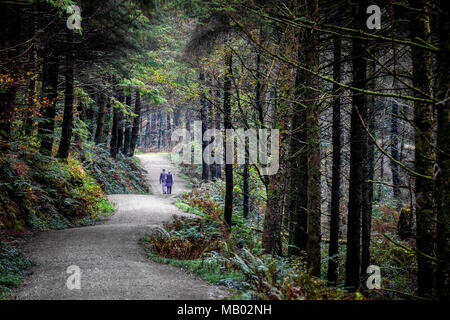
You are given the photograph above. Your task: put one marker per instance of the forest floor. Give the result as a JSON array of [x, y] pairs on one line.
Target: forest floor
[[113, 265]]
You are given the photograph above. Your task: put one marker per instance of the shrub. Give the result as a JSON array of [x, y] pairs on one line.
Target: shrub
[[42, 193], [189, 239]]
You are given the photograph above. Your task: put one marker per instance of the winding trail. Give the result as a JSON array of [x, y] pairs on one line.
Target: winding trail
[[113, 265]]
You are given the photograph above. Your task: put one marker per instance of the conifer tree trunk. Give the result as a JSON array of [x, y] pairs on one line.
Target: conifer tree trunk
[[298, 191], [168, 130], [272, 241], [28, 125], [218, 124], [160, 129], [136, 121], [443, 157], [114, 134], [425, 153], [10, 25], [127, 130], [204, 119], [246, 188], [120, 131], [336, 171], [358, 152], [66, 133], [367, 189], [213, 167], [228, 210], [49, 90], [394, 150], [81, 108], [101, 101], [313, 252], [109, 113]]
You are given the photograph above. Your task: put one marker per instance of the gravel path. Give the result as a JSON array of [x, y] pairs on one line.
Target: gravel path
[[113, 265]]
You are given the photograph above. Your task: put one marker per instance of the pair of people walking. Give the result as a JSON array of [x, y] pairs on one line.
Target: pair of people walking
[[166, 180]]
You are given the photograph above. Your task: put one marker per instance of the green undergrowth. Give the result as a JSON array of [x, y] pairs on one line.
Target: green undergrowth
[[123, 175], [284, 277], [39, 193], [188, 172], [237, 261], [13, 268], [42, 193], [210, 272]]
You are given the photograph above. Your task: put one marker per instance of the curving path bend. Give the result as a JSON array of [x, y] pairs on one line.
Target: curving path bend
[[113, 265]]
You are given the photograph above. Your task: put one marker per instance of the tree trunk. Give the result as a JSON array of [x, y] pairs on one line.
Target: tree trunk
[[204, 119], [114, 144], [424, 151], [394, 151], [367, 190], [259, 91], [109, 114], [443, 158], [29, 126], [228, 210], [120, 131], [160, 129], [10, 26], [297, 194], [333, 251], [82, 115], [48, 111], [114, 134], [282, 113], [313, 252], [213, 167], [66, 133], [168, 131], [127, 130], [101, 101], [136, 121], [358, 153], [381, 178], [246, 189]]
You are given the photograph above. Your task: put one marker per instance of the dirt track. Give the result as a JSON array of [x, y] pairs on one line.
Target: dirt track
[[112, 263]]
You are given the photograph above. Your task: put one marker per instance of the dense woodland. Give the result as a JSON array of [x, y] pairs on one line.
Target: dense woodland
[[363, 116]]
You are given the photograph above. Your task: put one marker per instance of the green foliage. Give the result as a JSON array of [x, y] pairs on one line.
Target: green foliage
[[42, 193], [189, 239], [205, 269], [283, 279], [13, 267], [123, 175], [202, 246], [60, 4], [398, 268]]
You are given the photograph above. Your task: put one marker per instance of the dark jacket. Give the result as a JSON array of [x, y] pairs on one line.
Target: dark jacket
[[163, 177], [169, 180]]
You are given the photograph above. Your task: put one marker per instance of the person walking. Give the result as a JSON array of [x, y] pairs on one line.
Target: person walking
[[169, 182], [162, 180]]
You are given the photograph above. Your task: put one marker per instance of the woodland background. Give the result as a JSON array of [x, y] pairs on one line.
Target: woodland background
[[363, 116]]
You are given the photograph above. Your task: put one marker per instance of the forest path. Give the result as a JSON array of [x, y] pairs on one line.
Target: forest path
[[113, 265]]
